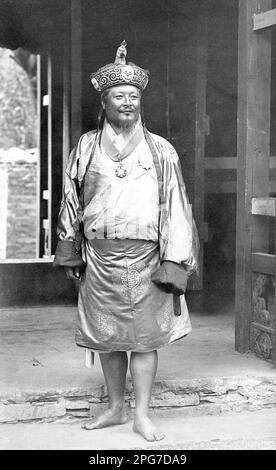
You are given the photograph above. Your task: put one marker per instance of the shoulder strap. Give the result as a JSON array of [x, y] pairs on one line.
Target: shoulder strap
[[81, 193], [157, 165]]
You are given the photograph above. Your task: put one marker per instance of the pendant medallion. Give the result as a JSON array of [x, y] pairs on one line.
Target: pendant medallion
[[120, 171]]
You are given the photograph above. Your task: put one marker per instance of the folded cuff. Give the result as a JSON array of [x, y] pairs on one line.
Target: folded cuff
[[172, 277], [68, 253], [189, 268]]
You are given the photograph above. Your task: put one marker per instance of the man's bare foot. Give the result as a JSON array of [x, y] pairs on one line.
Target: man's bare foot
[[144, 426], [108, 418]]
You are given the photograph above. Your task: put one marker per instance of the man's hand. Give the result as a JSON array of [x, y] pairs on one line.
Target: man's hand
[[72, 273]]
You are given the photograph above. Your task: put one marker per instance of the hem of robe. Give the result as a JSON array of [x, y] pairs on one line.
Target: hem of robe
[[131, 347]]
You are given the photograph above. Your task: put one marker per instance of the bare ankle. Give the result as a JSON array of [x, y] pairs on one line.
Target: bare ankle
[[117, 407], [141, 413]]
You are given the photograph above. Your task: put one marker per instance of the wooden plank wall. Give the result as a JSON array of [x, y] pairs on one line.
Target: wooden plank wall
[[253, 156], [220, 151]]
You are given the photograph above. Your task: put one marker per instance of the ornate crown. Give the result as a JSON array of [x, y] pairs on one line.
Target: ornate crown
[[120, 73]]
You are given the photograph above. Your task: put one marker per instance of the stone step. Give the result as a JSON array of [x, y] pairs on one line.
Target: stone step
[[191, 397]]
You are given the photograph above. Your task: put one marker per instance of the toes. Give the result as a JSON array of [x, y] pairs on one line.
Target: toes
[[159, 436], [156, 435], [149, 434], [88, 427]]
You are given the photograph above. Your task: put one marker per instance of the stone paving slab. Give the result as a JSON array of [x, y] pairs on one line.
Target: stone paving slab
[[245, 430]]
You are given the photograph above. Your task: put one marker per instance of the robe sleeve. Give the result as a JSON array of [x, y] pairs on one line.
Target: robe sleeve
[[179, 240], [69, 249]]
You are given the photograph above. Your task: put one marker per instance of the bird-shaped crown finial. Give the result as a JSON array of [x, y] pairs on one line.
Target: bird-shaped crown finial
[[121, 53], [119, 73]]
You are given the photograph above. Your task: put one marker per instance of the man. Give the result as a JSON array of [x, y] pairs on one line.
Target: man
[[124, 186]]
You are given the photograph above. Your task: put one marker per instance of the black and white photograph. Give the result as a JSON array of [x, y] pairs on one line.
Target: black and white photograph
[[137, 229]]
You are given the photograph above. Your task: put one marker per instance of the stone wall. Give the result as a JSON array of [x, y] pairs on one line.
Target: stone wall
[[18, 117], [18, 162], [18, 203], [195, 397]]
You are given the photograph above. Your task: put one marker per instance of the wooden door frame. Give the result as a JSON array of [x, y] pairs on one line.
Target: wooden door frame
[[253, 155]]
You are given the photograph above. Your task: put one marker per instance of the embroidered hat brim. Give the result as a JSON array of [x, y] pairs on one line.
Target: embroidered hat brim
[[120, 73]]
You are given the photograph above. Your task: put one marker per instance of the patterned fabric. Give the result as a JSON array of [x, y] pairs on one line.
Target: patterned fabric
[[112, 74], [120, 308], [120, 73]]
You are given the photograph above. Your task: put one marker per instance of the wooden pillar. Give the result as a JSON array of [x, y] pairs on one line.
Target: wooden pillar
[[76, 71], [43, 100], [48, 221], [254, 71], [66, 137], [201, 130], [38, 171], [55, 136]]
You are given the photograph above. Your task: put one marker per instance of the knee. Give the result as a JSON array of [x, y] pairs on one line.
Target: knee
[[144, 357]]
